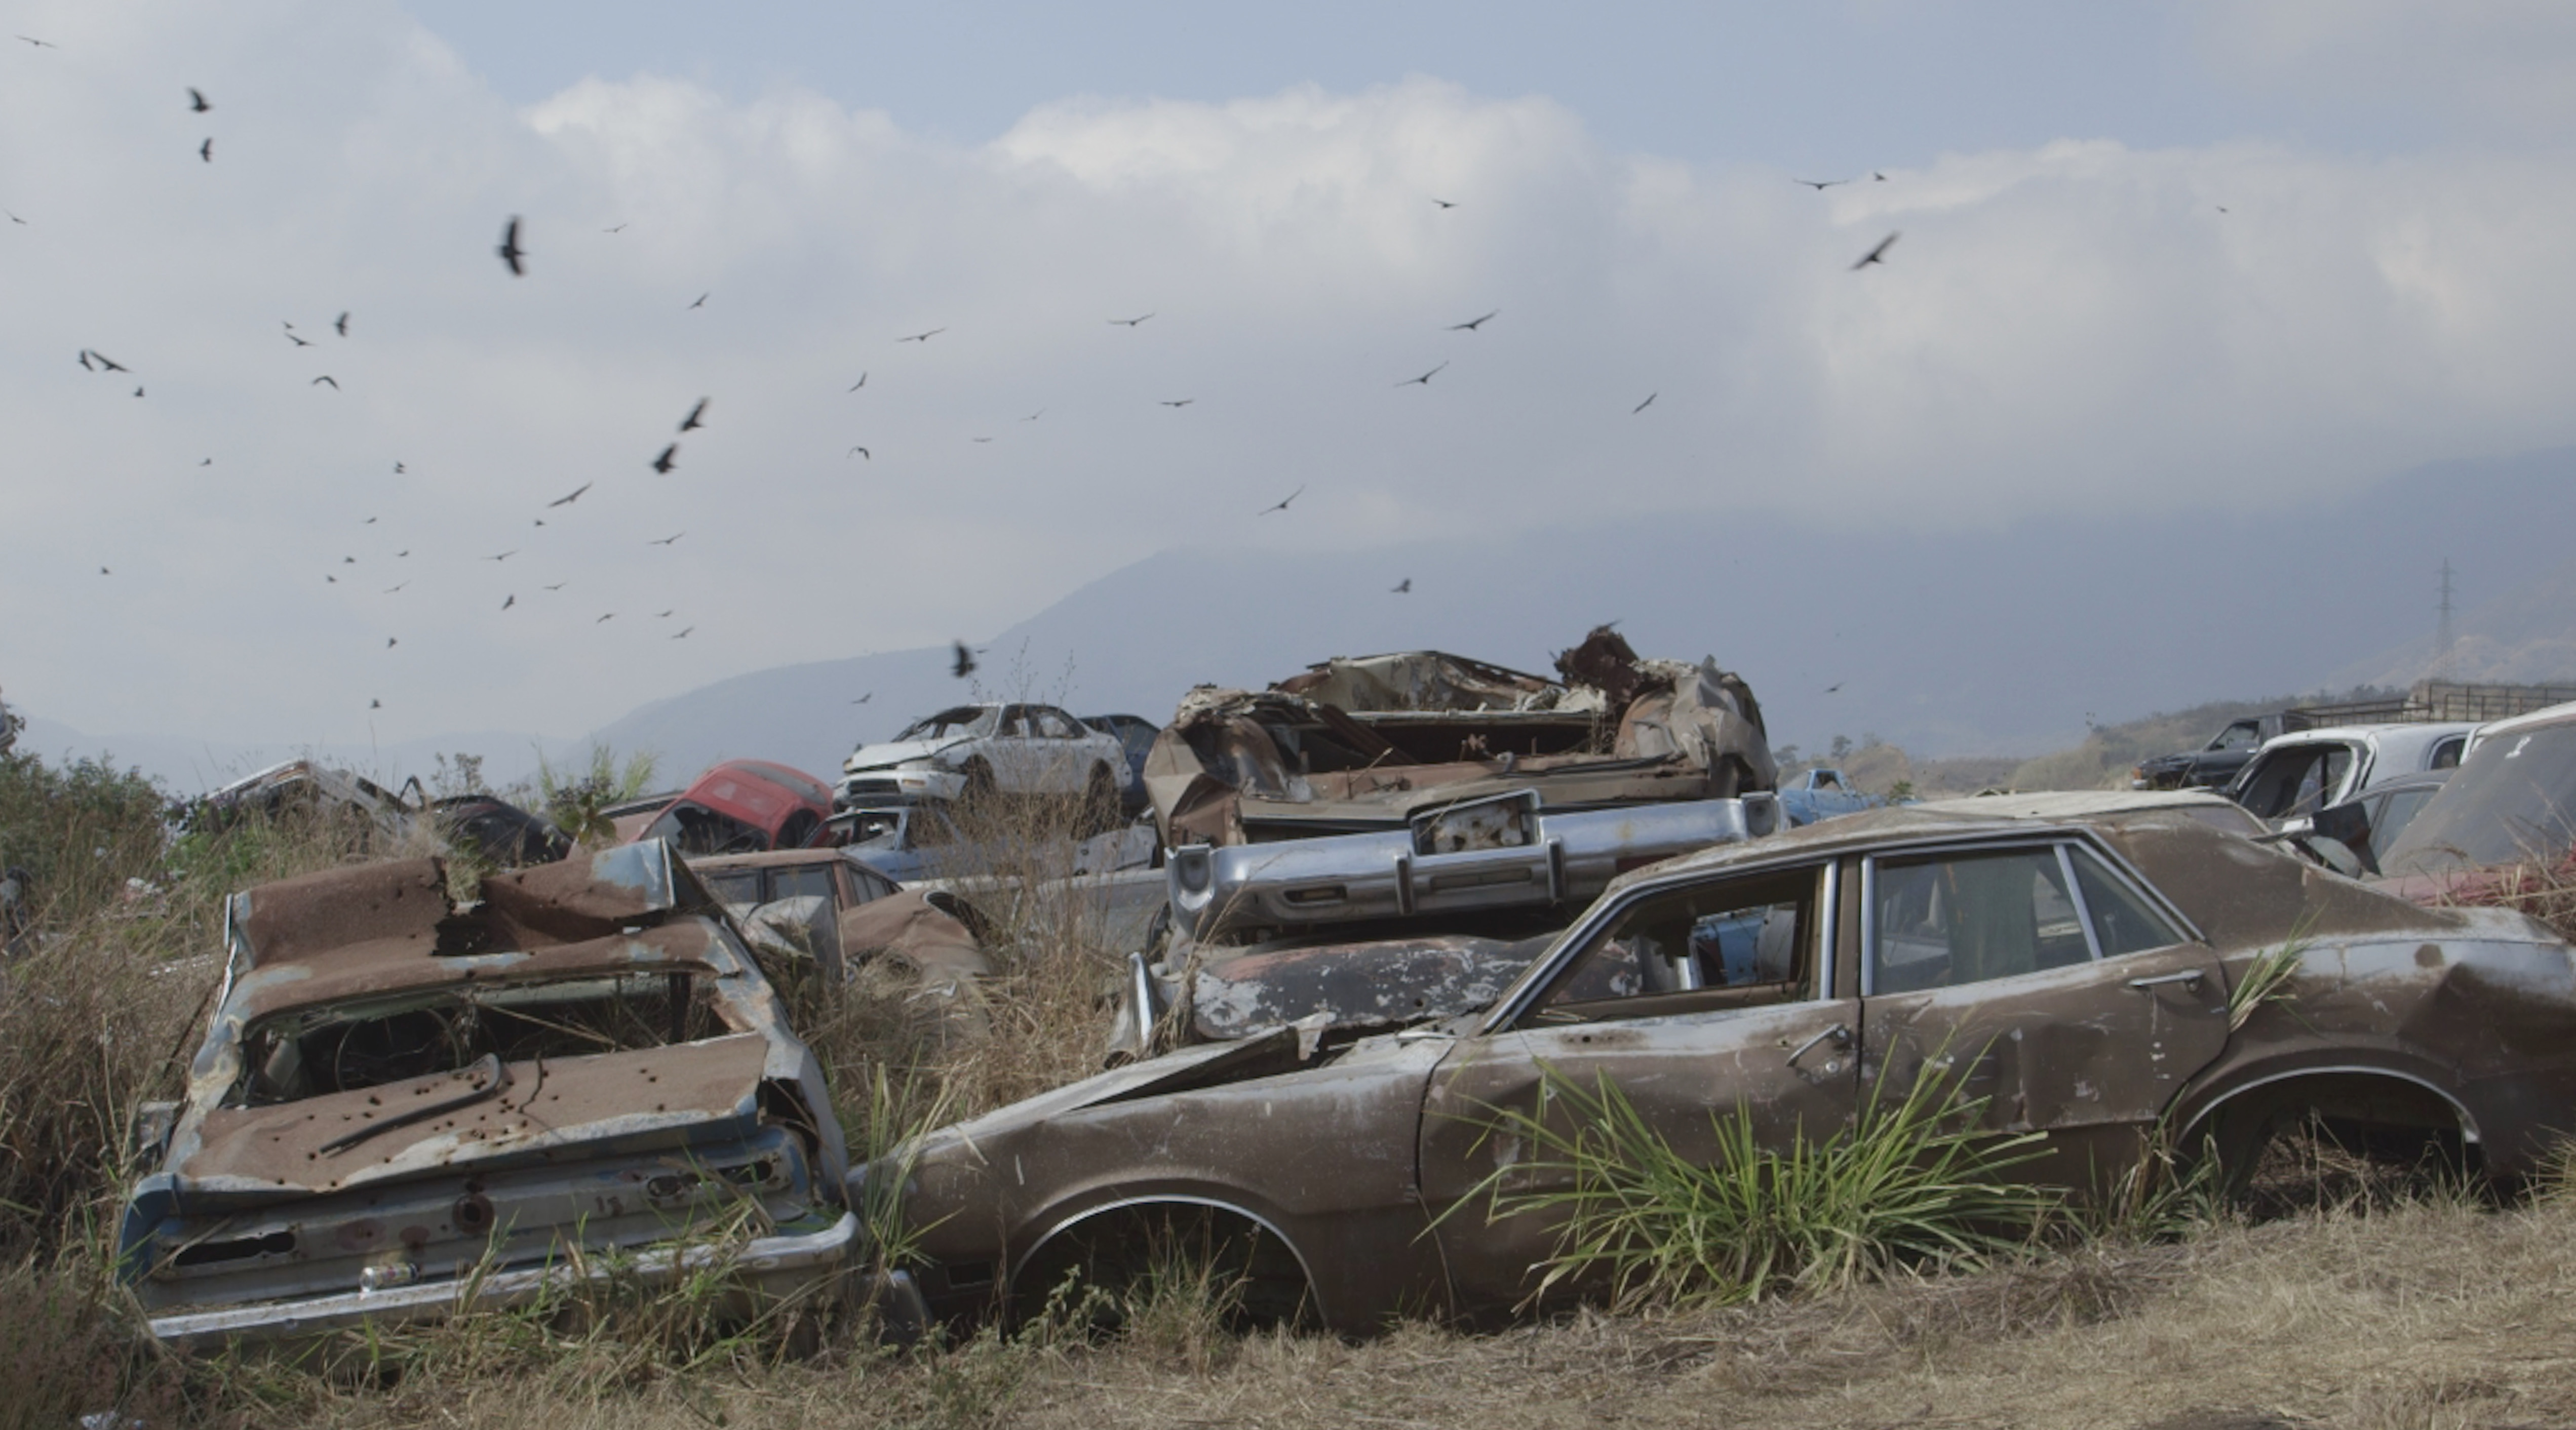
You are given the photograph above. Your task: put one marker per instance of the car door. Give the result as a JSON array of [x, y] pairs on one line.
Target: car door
[[1059, 751], [1698, 1001], [1011, 750], [2048, 981]]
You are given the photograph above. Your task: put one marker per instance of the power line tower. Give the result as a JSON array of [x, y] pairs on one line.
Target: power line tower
[[2442, 633]]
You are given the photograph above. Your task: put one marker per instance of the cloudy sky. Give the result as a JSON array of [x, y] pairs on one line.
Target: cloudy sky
[[2152, 256]]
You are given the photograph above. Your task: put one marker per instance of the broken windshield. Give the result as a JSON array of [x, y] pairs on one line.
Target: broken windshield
[[964, 721], [346, 1047], [2514, 798]]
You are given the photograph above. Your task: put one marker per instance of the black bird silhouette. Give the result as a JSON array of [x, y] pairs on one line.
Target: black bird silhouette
[[504, 556], [348, 560], [402, 553], [398, 469], [1444, 203], [922, 337], [102, 570], [375, 705], [1875, 174], [334, 580], [1034, 416], [569, 500], [665, 541], [1283, 502], [621, 228], [1425, 379], [206, 151], [1472, 324], [208, 462], [663, 615], [370, 521], [299, 342], [864, 699], [1876, 255], [1183, 402], [196, 101], [326, 377], [510, 251], [559, 585], [84, 360], [109, 363], [684, 633], [702, 300], [138, 392], [609, 617], [13, 218], [389, 590], [669, 459], [964, 665], [340, 325], [862, 382], [864, 454], [691, 423], [45, 45], [389, 642], [510, 600], [1642, 406], [1128, 322], [1820, 185], [1830, 689], [1403, 586]]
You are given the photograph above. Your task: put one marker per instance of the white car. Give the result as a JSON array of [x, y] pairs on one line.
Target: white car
[[987, 749], [2297, 774]]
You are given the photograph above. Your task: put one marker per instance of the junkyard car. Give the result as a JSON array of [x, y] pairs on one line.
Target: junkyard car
[[1823, 793], [1136, 736], [2297, 774], [402, 1104], [988, 749], [743, 807], [2067, 958], [2503, 823], [846, 914], [1365, 744]]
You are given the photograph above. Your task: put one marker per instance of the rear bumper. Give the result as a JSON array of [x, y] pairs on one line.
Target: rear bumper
[[771, 1268]]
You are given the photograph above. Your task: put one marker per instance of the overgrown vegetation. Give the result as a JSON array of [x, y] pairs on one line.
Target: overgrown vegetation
[[577, 798]]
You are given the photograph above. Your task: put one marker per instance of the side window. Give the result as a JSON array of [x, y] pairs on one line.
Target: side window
[[2446, 755], [796, 883], [1056, 725], [1954, 919], [1015, 722], [2393, 815], [1739, 943], [2123, 922]]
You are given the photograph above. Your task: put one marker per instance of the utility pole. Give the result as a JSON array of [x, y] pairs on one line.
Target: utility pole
[[2442, 634]]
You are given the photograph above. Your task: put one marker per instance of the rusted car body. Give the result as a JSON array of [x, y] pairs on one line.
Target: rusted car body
[[857, 924], [741, 807], [1359, 745], [402, 1104], [2066, 958]]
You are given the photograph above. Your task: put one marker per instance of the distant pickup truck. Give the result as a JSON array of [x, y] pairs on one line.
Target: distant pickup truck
[[1822, 793], [2214, 765]]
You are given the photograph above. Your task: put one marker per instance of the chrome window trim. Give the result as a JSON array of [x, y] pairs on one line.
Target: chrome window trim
[[2075, 896]]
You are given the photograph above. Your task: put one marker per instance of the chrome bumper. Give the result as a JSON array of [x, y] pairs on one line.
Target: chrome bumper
[[774, 1267]]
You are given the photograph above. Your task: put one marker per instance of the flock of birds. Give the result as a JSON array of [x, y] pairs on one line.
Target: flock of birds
[[514, 257]]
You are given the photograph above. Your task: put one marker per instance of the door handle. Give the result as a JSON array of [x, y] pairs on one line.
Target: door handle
[[2189, 976], [1838, 1035]]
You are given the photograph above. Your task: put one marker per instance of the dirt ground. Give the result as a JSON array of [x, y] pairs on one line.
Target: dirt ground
[[2432, 1314]]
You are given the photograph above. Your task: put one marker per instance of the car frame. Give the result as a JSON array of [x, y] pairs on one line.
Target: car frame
[[2295, 775], [1017, 748], [1344, 1165], [742, 807]]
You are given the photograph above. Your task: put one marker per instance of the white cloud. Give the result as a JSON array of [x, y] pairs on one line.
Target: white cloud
[[2072, 328]]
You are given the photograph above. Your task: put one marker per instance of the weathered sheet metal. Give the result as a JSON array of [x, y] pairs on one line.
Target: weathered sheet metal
[[1295, 761]]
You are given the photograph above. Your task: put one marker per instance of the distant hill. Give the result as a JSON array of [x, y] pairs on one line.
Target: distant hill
[[2525, 636]]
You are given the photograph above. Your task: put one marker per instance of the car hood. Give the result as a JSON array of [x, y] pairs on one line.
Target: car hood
[[626, 1101], [898, 752], [1205, 1065]]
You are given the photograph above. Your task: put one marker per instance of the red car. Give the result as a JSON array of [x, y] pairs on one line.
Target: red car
[[743, 807]]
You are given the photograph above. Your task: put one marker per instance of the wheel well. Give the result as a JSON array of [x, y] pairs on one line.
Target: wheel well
[[1121, 1248], [2372, 1106]]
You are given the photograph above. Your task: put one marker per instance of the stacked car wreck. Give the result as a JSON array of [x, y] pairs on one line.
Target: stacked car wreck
[[403, 1104]]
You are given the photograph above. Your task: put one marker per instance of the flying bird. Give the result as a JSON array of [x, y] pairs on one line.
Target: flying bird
[[691, 423], [1820, 185], [84, 360], [922, 337], [609, 617], [1425, 379], [964, 664], [138, 392], [46, 45], [1283, 502], [348, 560], [702, 300], [402, 553], [981, 439], [1472, 324], [510, 600], [197, 101], [398, 469], [669, 459], [389, 642], [862, 382], [1034, 416], [340, 325], [621, 228], [1882, 178], [375, 705], [559, 585], [569, 500], [1876, 255], [1837, 685], [109, 363], [389, 590], [333, 580], [663, 615], [684, 633], [206, 151], [510, 251], [1444, 203], [326, 377], [1128, 322], [13, 218], [665, 541], [864, 699], [370, 521], [1642, 406], [504, 556], [1403, 586], [863, 452], [102, 570], [299, 342], [1184, 402], [208, 462]]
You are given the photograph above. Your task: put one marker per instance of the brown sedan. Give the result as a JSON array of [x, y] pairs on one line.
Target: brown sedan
[[2069, 957]]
